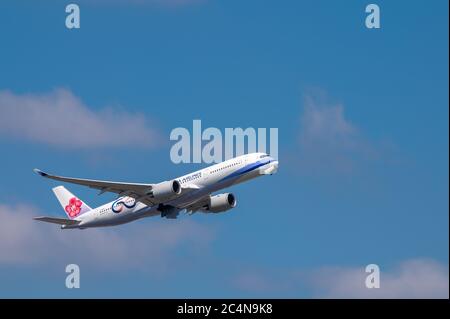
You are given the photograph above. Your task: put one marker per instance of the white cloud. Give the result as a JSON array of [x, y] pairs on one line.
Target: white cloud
[[416, 278], [61, 119], [328, 141], [326, 124], [151, 247]]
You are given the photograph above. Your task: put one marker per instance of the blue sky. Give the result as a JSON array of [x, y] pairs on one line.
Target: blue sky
[[363, 145]]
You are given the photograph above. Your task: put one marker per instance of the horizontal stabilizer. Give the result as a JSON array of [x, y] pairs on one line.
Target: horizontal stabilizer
[[54, 220]]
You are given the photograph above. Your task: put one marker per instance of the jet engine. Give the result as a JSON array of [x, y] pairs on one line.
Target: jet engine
[[221, 203], [166, 189]]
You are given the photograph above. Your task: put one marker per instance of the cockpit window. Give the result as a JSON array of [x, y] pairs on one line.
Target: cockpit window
[[264, 155]]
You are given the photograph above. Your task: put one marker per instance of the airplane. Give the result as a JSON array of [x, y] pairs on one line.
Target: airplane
[[190, 193]]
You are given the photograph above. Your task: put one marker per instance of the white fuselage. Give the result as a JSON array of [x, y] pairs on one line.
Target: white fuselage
[[204, 182]]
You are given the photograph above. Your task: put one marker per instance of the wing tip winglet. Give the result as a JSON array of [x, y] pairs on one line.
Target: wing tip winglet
[[39, 172]]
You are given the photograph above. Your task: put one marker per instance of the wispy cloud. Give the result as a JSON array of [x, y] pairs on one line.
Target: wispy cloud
[[328, 142], [414, 278], [61, 119], [24, 241]]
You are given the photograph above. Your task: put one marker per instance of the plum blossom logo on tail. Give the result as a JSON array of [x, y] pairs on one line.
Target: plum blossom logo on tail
[[74, 207]]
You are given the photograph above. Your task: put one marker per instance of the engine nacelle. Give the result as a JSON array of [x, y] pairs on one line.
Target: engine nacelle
[[222, 202], [166, 189]]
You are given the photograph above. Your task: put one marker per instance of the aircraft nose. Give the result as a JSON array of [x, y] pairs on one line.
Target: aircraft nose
[[273, 160], [275, 164]]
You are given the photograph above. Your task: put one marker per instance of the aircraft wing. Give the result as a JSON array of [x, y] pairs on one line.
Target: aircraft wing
[[54, 220], [136, 190], [198, 205]]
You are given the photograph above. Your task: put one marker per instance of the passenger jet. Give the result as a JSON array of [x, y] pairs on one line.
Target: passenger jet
[[190, 193]]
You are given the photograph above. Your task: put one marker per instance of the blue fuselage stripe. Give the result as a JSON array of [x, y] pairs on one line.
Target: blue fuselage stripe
[[245, 169]]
